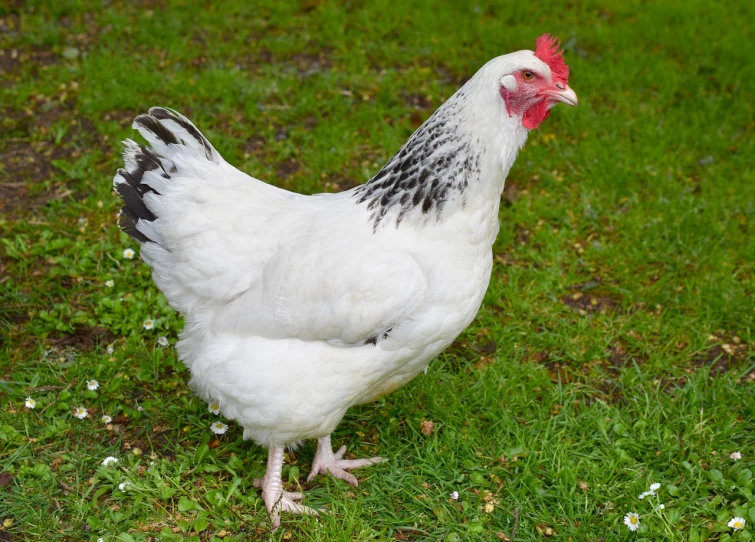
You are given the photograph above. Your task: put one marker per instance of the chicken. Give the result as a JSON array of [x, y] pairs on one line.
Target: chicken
[[299, 307]]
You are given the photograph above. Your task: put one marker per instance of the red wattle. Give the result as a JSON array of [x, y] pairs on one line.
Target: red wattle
[[535, 115]]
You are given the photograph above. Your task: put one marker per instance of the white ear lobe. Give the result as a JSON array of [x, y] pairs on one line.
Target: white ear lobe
[[509, 82]]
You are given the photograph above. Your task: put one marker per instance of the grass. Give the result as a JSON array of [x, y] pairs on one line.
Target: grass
[[613, 349]]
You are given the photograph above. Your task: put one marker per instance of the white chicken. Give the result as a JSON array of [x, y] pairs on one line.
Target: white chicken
[[299, 307]]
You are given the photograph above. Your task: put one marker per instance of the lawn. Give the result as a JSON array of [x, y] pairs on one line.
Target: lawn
[[614, 348]]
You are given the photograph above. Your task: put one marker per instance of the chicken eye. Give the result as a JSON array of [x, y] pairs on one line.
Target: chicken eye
[[527, 75]]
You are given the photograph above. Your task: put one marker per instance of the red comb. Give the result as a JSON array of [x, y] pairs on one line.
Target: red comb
[[546, 49]]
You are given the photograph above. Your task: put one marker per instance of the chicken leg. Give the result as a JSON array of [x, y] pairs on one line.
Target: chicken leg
[[276, 499], [326, 461]]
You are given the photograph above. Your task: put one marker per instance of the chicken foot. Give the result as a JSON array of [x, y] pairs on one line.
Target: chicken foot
[[326, 461], [276, 499]]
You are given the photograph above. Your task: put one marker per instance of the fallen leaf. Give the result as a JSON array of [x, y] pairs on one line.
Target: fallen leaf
[[428, 427]]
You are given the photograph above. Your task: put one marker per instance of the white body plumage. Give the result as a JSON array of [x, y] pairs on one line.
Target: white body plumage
[[298, 307]]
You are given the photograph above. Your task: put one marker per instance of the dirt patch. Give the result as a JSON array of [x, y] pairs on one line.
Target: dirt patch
[[83, 338], [287, 168], [12, 60], [589, 298], [588, 304], [510, 193], [254, 146], [730, 353], [339, 183], [617, 357], [508, 260], [24, 166], [406, 534], [9, 61], [515, 188], [5, 479], [123, 117], [716, 358]]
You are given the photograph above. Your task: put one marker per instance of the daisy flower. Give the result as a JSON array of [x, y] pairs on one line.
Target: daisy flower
[[735, 456], [109, 460], [162, 341], [80, 412], [129, 254], [632, 520], [149, 323], [219, 428], [92, 385], [214, 408], [454, 495], [110, 283], [646, 494], [30, 403], [654, 487], [106, 419], [123, 486], [737, 523]]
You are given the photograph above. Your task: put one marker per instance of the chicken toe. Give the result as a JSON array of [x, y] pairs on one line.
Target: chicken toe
[[276, 499], [327, 462]]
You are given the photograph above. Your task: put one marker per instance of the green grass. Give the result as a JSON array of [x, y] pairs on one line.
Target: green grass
[[614, 347]]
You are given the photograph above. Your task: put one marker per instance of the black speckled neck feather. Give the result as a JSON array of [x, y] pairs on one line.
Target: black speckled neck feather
[[436, 164]]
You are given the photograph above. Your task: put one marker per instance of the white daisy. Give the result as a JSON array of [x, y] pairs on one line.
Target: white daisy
[[100, 540], [454, 495], [92, 385], [737, 523], [735, 456], [129, 254], [162, 341], [214, 408], [646, 494], [123, 486], [654, 487], [149, 323], [219, 428], [110, 283], [30, 403], [632, 520], [80, 412], [106, 419], [109, 460]]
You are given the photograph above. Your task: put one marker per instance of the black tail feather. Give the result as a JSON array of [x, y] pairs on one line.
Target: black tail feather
[[127, 223], [161, 113], [163, 128], [150, 123], [132, 197]]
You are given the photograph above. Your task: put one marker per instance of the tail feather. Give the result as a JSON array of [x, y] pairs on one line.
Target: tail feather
[[184, 130], [127, 223], [166, 131], [131, 195]]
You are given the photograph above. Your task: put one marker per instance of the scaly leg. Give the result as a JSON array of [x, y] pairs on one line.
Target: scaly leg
[[276, 499], [326, 461]]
